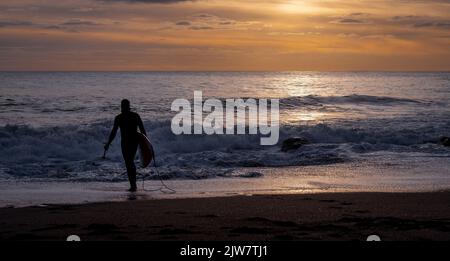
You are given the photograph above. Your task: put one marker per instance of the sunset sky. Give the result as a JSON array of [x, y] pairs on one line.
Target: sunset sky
[[129, 35]]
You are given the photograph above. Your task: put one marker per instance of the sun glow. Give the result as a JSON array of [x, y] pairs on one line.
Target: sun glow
[[298, 7]]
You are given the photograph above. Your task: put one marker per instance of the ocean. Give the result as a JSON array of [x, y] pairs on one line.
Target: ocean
[[366, 130]]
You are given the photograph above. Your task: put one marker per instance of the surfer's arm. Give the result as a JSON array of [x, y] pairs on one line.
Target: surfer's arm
[[113, 133], [141, 126]]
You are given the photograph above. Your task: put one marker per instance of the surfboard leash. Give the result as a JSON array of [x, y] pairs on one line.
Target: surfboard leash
[[164, 186], [164, 189]]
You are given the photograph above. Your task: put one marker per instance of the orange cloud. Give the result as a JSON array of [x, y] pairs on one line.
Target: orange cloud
[[225, 35]]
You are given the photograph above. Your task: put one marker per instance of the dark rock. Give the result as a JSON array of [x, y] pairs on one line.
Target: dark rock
[[251, 174], [445, 141], [293, 144]]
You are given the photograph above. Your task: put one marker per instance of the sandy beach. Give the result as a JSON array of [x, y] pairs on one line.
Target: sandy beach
[[327, 216]]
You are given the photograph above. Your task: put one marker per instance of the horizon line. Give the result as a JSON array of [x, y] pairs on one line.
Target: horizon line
[[218, 71]]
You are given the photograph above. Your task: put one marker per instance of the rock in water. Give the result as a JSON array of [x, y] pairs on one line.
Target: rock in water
[[252, 174], [445, 141], [293, 144]]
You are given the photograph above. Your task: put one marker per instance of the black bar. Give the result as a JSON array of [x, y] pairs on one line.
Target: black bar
[[275, 250]]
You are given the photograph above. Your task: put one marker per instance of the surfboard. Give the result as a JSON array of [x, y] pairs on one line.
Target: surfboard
[[147, 154]]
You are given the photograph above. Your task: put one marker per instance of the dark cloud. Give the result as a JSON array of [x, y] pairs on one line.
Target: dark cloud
[[201, 27], [352, 18], [204, 16], [78, 22], [423, 24], [53, 27], [404, 17], [443, 24], [15, 23], [183, 23], [348, 21], [421, 21], [83, 9], [358, 14], [67, 25], [433, 24], [204, 21]]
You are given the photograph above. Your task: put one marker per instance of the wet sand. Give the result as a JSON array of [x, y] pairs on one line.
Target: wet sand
[[327, 216]]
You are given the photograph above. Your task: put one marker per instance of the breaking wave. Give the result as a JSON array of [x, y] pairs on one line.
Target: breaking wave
[[315, 100], [74, 152]]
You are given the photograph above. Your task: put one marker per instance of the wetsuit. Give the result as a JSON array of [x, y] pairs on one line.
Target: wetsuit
[[128, 122]]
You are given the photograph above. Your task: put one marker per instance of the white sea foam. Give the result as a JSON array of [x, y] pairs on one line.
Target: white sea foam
[[74, 152]]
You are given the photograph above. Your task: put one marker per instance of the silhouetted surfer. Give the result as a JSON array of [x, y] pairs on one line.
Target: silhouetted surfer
[[128, 122]]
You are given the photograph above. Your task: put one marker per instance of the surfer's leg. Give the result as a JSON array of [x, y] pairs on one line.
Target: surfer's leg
[[129, 152], [131, 171]]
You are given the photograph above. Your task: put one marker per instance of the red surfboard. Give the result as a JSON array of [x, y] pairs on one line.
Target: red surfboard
[[146, 150]]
